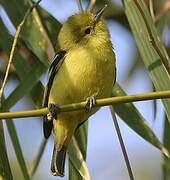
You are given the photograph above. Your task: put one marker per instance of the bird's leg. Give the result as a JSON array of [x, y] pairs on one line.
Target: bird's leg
[[90, 102], [53, 111]]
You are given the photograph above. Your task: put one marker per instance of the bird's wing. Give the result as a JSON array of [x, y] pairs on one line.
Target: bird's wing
[[58, 59]]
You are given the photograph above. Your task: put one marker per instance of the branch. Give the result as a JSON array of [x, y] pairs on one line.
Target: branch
[[122, 143], [79, 5], [151, 9], [91, 5], [14, 45], [81, 105]]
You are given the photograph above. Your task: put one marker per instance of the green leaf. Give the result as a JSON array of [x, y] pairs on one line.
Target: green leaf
[[23, 88], [17, 148], [151, 59], [166, 160], [36, 41], [5, 43], [33, 32], [160, 27], [21, 66], [5, 170], [29, 77], [14, 10], [22, 69], [30, 80], [15, 141], [50, 24], [128, 113], [81, 137], [73, 173], [77, 154]]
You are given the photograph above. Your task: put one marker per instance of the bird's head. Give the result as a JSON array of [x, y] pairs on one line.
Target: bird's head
[[83, 29]]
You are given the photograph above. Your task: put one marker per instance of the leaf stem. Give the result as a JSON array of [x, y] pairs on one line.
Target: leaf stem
[[91, 5], [81, 105], [151, 9], [14, 45], [121, 143], [79, 5]]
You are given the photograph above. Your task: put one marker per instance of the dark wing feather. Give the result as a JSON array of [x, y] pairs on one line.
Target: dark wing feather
[[48, 125]]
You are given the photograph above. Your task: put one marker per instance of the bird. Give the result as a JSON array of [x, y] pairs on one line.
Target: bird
[[82, 70]]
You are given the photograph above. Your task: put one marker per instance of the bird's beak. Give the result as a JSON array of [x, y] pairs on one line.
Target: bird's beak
[[99, 14]]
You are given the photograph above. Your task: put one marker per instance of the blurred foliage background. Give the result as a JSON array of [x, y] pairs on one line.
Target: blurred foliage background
[[134, 58]]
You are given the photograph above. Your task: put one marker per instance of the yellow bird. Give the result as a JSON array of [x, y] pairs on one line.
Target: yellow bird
[[83, 69]]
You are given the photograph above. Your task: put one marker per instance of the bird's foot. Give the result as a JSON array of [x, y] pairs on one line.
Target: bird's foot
[[53, 111], [90, 102]]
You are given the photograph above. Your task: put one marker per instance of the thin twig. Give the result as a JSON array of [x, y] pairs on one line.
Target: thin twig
[[79, 5], [82, 105], [121, 143], [151, 9], [91, 5], [151, 39], [36, 161], [14, 45]]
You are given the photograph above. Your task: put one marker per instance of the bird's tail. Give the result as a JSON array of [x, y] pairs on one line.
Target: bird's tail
[[58, 162]]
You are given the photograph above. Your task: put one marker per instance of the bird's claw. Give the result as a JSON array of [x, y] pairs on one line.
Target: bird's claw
[[90, 102], [53, 111]]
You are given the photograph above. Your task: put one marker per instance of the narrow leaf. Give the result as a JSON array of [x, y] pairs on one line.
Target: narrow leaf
[[5, 170], [23, 70], [81, 138], [17, 148], [50, 24], [25, 74], [15, 141], [77, 159], [128, 113], [24, 87], [160, 27], [73, 172], [77, 154], [4, 43], [166, 160], [21, 66], [33, 33], [151, 59]]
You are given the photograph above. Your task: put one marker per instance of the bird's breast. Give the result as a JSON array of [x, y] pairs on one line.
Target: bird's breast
[[84, 73]]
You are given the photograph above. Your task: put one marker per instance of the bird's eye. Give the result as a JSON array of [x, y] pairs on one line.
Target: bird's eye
[[87, 31]]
